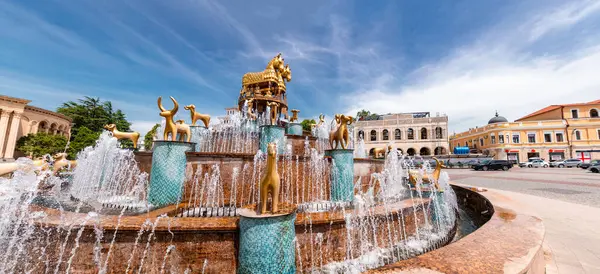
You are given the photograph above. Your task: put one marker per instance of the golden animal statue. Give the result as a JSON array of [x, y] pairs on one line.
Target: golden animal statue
[[133, 136], [273, 113], [381, 152], [250, 108], [286, 74], [6, 168], [321, 120], [270, 182], [294, 116], [270, 74], [205, 118], [169, 123], [183, 129], [340, 135], [435, 176], [60, 162]]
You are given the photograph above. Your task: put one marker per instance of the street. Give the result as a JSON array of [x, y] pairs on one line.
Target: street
[[573, 185]]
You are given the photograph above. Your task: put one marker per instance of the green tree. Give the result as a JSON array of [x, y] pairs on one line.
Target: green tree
[[84, 138], [40, 144], [363, 114], [306, 124], [148, 137]]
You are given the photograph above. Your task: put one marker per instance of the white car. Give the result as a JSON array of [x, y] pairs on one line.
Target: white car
[[535, 163]]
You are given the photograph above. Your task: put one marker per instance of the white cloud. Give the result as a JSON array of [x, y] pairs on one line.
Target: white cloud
[[143, 126], [494, 73]]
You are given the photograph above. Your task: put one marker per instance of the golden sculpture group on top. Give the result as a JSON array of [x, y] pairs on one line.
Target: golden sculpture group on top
[[266, 88], [174, 127]]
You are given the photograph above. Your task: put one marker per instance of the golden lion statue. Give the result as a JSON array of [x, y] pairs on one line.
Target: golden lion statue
[[133, 136], [270, 182], [340, 135]]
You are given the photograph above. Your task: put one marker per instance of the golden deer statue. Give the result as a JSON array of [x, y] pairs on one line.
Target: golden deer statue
[[183, 129], [133, 136], [170, 126], [340, 135], [294, 116], [435, 176], [270, 182], [60, 161], [205, 118], [273, 114]]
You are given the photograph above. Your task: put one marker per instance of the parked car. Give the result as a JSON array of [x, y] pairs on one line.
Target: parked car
[[493, 165], [535, 163], [595, 168], [566, 163], [591, 163]]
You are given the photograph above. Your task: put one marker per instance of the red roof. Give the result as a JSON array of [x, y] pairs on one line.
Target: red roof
[[553, 107]]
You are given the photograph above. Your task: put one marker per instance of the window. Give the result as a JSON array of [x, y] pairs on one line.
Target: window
[[397, 134], [373, 135], [515, 138], [531, 138], [481, 142], [593, 113], [501, 139], [559, 137], [548, 137], [438, 133], [423, 133], [599, 134], [493, 137], [574, 113], [361, 134], [410, 134], [466, 144], [577, 135], [386, 135]]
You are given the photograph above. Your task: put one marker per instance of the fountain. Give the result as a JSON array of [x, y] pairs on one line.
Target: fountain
[[242, 197]]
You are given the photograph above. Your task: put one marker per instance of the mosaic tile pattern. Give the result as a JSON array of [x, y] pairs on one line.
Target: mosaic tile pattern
[[294, 129], [196, 132], [270, 134], [267, 245], [342, 186], [168, 172]]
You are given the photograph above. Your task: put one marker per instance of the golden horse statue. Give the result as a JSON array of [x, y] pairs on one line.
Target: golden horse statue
[[133, 136], [286, 75], [435, 176], [294, 116], [170, 126], [270, 74], [273, 113], [340, 135], [205, 118], [60, 161], [183, 129], [270, 182]]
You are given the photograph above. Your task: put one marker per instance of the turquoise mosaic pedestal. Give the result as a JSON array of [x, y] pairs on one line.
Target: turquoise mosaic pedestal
[[294, 129], [342, 181], [168, 172], [272, 134], [250, 126], [198, 134], [267, 244]]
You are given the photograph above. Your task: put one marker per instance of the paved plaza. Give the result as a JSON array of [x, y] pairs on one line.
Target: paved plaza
[[567, 200]]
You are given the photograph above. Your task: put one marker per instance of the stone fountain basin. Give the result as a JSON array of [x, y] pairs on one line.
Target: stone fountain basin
[[214, 239]]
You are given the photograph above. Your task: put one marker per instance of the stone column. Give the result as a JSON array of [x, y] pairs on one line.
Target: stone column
[[3, 130], [12, 136]]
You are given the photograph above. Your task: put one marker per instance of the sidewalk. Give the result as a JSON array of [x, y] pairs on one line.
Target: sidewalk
[[572, 241]]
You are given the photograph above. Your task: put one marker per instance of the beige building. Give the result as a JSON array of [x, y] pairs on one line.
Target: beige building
[[552, 133], [18, 119], [226, 120], [411, 133]]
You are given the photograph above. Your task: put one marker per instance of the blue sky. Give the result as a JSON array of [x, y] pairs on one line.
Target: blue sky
[[463, 58]]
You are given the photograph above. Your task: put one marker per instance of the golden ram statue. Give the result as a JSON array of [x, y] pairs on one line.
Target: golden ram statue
[[340, 136]]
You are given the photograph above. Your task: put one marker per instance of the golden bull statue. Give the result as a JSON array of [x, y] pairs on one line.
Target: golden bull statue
[[133, 136], [170, 127], [270, 182]]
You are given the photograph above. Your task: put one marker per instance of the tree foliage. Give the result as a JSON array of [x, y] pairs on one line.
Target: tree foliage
[[148, 138], [84, 138], [306, 124], [366, 115], [40, 144]]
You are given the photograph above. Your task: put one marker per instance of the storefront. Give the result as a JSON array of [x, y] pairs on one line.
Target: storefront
[[533, 153], [512, 156], [556, 154]]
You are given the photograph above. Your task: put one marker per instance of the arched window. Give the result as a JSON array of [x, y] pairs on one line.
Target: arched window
[[438, 133], [411, 151], [481, 142], [397, 134], [423, 133], [594, 113], [386, 135], [52, 129], [424, 151], [373, 135], [361, 134], [43, 127], [410, 134], [577, 135]]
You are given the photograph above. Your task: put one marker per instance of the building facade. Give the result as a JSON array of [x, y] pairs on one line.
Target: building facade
[[17, 119], [230, 112], [410, 133], [552, 133]]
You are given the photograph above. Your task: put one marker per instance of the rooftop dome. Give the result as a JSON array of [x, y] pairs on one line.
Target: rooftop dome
[[497, 119]]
